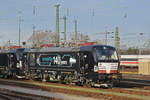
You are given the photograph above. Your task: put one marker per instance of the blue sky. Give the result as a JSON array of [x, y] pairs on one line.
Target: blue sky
[[131, 16]]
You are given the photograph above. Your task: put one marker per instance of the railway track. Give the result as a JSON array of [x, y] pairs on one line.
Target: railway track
[[117, 93], [23, 91], [136, 82], [6, 94]]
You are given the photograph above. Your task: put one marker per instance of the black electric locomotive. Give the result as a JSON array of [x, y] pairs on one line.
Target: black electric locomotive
[[96, 65], [11, 63]]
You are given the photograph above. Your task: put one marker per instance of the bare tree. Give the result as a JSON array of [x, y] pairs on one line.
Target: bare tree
[[81, 38], [147, 44], [41, 37]]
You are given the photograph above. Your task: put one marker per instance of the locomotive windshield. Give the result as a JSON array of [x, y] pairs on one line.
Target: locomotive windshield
[[105, 53]]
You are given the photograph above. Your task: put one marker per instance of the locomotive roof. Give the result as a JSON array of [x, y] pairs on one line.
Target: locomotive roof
[[90, 48], [15, 50], [64, 49], [19, 49], [55, 49], [3, 51]]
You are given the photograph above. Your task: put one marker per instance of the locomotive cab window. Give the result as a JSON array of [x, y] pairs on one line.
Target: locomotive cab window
[[106, 54]]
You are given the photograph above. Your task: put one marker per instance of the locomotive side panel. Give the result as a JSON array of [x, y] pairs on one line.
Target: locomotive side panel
[[53, 65], [52, 60]]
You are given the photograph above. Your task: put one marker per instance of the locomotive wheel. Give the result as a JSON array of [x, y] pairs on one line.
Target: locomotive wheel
[[44, 78], [80, 83], [6, 76], [88, 83], [14, 75], [27, 76], [66, 80]]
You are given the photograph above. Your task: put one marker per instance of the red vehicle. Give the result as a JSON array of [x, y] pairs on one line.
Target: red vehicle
[[14, 47], [86, 44], [47, 45]]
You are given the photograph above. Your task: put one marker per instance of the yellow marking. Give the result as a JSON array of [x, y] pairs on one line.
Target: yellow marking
[[68, 72], [129, 72]]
